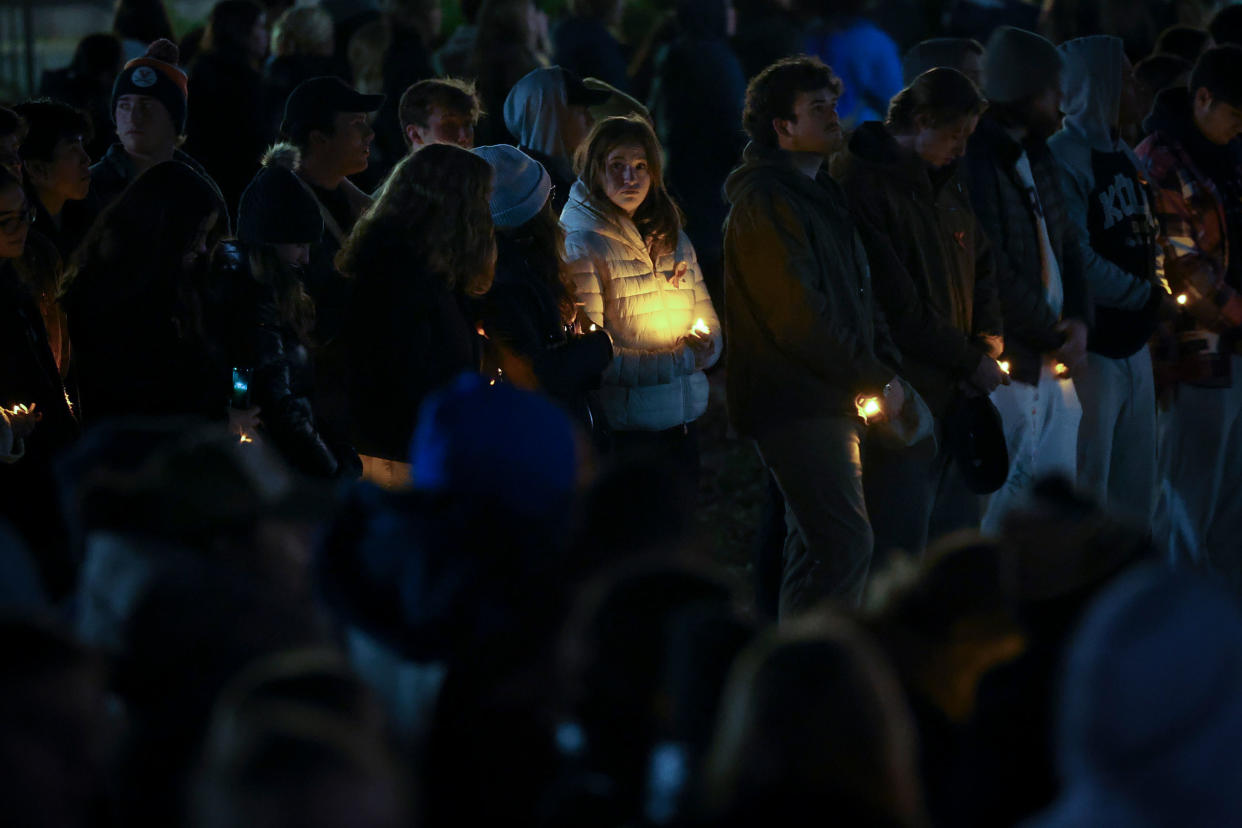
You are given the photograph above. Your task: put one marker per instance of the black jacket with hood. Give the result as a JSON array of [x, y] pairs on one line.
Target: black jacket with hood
[[805, 334], [930, 261], [1009, 219]]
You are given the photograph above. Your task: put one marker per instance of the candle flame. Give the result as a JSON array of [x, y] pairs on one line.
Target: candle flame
[[1060, 369], [868, 407], [245, 438], [593, 328], [1004, 365], [1182, 298], [701, 327]]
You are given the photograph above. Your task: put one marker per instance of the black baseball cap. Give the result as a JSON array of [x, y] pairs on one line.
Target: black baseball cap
[[318, 99]]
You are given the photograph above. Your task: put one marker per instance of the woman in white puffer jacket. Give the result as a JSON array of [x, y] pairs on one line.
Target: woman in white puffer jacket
[[638, 278]]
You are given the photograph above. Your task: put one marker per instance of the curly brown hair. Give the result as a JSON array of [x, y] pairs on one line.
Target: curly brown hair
[[435, 206], [658, 218]]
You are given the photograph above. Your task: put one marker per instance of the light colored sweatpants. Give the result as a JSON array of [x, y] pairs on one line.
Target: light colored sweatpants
[[1199, 519], [1041, 433], [1117, 437], [818, 466]]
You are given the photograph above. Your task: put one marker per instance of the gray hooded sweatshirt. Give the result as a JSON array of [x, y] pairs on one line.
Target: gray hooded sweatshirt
[[1106, 199], [535, 113]]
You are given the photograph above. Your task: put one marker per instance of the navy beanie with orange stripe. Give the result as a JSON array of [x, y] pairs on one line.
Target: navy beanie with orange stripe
[[156, 74]]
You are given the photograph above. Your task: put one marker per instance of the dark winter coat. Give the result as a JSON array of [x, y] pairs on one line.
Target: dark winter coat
[[585, 47], [805, 334], [76, 218], [227, 128], [283, 379], [406, 62], [698, 80], [135, 353], [41, 269], [28, 374], [404, 337], [523, 321], [1009, 220], [766, 34], [930, 261], [114, 172]]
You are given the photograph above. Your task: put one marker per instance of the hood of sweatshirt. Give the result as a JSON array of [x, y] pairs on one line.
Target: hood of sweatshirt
[[535, 112], [1091, 87], [873, 147]]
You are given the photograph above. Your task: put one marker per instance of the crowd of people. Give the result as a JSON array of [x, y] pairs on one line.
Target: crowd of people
[[350, 381]]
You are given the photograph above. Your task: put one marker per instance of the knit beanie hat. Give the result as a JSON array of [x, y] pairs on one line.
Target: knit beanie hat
[[277, 208], [510, 446], [1018, 64], [156, 74], [521, 187]]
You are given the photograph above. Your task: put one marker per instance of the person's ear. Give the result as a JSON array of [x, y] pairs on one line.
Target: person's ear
[[36, 171], [782, 127], [416, 138], [1203, 98], [922, 122]]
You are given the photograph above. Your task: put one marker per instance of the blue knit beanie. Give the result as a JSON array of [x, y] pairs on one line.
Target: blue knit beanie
[[497, 442], [521, 188]]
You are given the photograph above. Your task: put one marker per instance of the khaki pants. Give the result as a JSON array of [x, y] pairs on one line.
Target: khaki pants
[[818, 466]]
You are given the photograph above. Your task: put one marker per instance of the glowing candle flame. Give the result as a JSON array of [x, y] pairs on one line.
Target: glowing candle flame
[[593, 328], [700, 327], [1060, 369], [245, 438], [1182, 298], [868, 407], [1004, 365]]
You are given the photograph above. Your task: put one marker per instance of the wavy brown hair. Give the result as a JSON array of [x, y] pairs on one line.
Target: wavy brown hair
[[658, 218], [942, 96], [434, 205], [542, 240]]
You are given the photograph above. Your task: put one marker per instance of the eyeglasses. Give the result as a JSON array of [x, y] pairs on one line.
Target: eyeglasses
[[14, 221]]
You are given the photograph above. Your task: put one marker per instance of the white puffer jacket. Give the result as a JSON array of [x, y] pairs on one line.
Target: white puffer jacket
[[652, 383]]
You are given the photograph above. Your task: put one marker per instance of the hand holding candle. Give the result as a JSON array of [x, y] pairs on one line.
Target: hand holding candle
[[700, 341], [22, 419]]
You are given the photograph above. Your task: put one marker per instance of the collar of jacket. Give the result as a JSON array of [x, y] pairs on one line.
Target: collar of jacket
[[761, 163], [874, 147], [584, 212]]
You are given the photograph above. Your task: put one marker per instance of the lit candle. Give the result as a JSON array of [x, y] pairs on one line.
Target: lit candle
[[868, 407], [245, 438], [700, 327], [1182, 298], [1004, 365], [1060, 369]]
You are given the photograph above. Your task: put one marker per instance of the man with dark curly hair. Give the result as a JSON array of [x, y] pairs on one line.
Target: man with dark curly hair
[[807, 341]]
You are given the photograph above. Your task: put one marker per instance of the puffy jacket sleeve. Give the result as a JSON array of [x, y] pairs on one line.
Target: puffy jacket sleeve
[[776, 273], [914, 325], [1027, 316], [1188, 268], [631, 367]]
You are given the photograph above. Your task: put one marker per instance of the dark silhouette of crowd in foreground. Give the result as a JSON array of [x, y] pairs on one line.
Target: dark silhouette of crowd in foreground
[[351, 373]]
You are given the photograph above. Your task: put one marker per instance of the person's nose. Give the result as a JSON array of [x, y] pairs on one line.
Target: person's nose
[[628, 174]]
